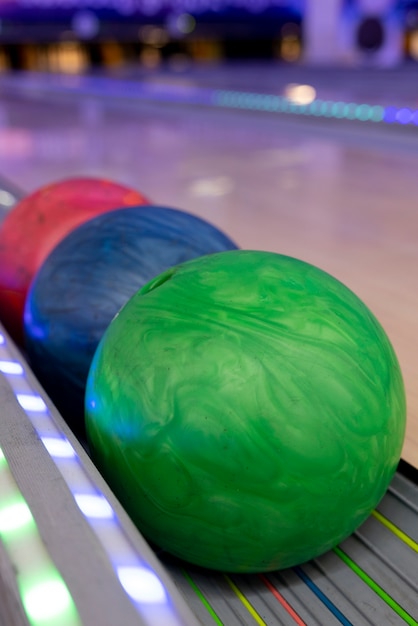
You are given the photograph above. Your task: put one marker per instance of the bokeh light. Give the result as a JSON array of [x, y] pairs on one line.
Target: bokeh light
[[300, 94]]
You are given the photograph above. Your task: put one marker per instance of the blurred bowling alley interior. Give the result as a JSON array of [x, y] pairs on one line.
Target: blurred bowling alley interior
[[78, 36]]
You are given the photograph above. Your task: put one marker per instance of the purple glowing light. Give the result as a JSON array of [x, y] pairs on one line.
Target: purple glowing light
[[390, 115], [404, 116]]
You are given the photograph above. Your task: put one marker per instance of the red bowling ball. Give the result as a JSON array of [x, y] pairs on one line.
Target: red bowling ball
[[38, 223]]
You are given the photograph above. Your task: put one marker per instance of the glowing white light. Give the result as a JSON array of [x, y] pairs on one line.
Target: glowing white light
[[11, 367], [1, 339], [300, 94], [58, 447], [31, 402], [6, 198], [94, 506], [14, 517], [211, 187], [142, 585], [46, 600], [185, 23]]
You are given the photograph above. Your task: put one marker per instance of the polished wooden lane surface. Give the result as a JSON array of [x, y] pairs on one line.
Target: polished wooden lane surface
[[343, 198]]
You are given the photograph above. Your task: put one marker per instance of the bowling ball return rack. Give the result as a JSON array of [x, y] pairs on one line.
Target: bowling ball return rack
[[114, 576]]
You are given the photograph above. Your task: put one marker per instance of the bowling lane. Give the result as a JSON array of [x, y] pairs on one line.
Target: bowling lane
[[340, 194]]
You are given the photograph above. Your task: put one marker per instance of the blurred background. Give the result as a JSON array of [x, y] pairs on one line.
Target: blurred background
[[75, 36]]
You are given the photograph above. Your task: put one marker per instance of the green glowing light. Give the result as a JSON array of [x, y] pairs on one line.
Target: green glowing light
[[337, 109], [251, 101], [222, 99], [272, 103], [363, 112], [353, 110], [317, 108], [239, 100], [260, 101], [323, 109], [14, 516], [378, 113], [46, 600], [242, 100], [284, 104]]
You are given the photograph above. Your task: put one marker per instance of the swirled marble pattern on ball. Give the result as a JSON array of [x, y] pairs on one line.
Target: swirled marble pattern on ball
[[89, 276], [247, 409]]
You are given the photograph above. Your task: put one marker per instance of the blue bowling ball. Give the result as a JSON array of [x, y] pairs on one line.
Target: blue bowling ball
[[88, 278]]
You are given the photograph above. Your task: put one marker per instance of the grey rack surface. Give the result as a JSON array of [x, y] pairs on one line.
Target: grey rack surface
[[371, 578]]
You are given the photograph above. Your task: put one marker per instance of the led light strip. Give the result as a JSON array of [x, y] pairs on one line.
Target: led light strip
[[44, 594], [317, 108], [252, 101], [139, 580]]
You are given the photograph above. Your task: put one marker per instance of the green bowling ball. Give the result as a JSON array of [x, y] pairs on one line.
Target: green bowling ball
[[247, 409]]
